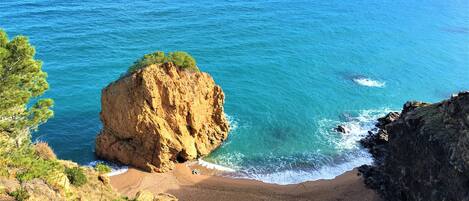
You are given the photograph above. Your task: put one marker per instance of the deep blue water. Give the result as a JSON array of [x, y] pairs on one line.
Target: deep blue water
[[290, 70]]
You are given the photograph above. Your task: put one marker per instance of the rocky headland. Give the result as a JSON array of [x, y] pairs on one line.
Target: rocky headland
[[421, 153], [160, 115]]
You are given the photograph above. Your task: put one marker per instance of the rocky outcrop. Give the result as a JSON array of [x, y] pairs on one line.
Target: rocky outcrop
[[377, 138], [342, 129], [57, 187], [426, 154], [387, 119], [160, 115]]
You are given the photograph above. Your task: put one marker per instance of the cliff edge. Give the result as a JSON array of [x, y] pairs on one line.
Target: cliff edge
[[159, 115], [422, 153]]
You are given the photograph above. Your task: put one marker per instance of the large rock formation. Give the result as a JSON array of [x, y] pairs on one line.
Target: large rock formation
[[160, 115], [426, 152]]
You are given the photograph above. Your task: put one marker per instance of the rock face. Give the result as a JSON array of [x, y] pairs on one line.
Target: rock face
[[426, 156], [160, 115]]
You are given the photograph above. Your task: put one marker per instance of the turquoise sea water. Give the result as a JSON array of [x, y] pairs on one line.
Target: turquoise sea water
[[291, 71]]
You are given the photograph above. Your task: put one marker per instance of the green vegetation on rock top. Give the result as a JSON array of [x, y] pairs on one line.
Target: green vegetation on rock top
[[180, 59]]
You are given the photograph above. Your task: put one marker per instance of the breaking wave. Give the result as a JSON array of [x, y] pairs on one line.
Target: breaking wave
[[349, 154], [326, 172], [214, 166], [368, 82], [116, 169]]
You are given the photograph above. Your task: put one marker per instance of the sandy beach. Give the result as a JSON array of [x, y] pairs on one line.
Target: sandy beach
[[188, 187]]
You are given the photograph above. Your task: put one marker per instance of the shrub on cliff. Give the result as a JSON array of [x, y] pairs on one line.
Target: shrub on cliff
[[27, 165], [76, 176], [181, 59], [102, 168], [20, 194]]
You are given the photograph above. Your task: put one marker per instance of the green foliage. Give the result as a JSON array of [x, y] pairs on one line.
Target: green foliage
[[148, 59], [29, 165], [181, 59], [21, 80], [102, 168], [20, 194], [22, 110], [76, 176]]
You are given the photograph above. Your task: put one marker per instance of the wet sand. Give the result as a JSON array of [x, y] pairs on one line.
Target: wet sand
[[206, 187]]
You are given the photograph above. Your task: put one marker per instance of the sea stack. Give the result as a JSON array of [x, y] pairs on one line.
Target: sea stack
[[160, 115], [425, 154]]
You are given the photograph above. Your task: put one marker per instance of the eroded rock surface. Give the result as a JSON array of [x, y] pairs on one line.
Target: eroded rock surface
[[160, 115], [426, 154]]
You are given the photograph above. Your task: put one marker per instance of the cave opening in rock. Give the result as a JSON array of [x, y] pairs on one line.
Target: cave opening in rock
[[180, 157]]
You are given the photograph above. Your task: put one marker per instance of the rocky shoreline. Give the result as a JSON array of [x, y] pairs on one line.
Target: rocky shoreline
[[421, 153]]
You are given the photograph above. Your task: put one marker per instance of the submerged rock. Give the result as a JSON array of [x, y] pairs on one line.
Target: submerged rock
[[160, 115], [342, 129], [426, 156]]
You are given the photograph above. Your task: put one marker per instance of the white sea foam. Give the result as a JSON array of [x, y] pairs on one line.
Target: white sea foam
[[232, 121], [369, 82], [298, 176], [115, 169], [214, 166], [357, 126], [120, 170]]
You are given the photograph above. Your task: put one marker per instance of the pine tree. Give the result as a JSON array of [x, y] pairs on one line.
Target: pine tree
[[22, 82]]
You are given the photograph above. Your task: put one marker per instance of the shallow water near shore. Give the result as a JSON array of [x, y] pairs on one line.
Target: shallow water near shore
[[290, 71]]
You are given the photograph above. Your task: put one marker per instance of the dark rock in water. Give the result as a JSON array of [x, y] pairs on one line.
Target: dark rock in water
[[342, 129], [390, 117], [423, 154], [382, 137], [376, 141]]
